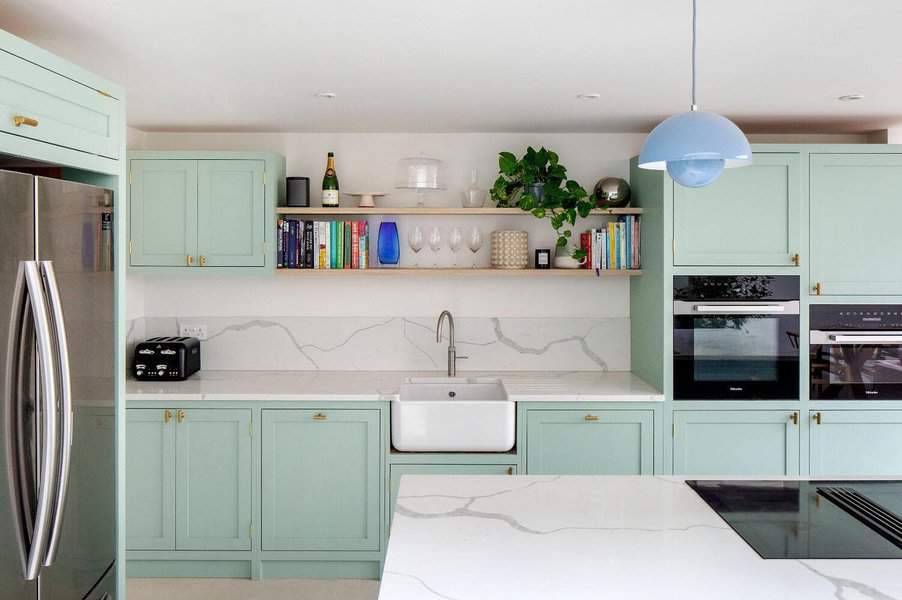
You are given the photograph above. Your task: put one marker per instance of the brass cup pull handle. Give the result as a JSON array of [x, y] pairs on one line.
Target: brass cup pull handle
[[167, 415], [189, 259], [794, 417], [20, 120], [320, 417], [203, 260], [180, 415], [591, 417], [817, 417]]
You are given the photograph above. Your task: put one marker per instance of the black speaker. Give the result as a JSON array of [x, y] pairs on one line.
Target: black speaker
[[298, 191]]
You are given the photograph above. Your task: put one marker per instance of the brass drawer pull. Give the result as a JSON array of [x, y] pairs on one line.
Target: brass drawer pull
[[818, 288], [817, 417], [20, 120], [180, 415], [320, 417], [796, 259], [189, 259], [167, 415], [794, 417], [203, 260], [591, 417], [510, 470]]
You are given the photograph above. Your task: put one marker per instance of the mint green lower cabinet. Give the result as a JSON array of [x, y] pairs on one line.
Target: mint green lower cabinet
[[851, 443], [321, 479], [736, 442], [213, 480], [597, 442], [397, 471], [149, 480]]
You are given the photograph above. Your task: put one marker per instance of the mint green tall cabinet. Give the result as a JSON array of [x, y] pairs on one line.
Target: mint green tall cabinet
[[321, 479], [747, 217]]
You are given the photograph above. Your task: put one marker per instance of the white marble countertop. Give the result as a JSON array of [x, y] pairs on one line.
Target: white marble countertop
[[521, 386], [575, 537]]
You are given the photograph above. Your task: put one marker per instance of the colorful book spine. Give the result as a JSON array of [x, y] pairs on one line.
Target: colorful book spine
[[279, 262], [292, 243], [365, 245], [333, 237], [585, 244], [323, 243], [355, 245], [346, 238], [308, 244]]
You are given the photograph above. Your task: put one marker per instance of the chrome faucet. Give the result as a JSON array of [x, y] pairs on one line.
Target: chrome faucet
[[452, 351]]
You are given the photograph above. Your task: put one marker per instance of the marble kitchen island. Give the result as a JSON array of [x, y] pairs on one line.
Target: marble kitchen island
[[575, 537]]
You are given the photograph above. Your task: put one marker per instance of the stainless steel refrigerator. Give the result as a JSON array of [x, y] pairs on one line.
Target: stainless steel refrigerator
[[57, 456]]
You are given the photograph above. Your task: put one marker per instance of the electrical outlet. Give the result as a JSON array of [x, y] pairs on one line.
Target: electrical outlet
[[193, 330]]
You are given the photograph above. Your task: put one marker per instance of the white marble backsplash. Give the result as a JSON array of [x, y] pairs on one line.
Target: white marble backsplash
[[400, 343]]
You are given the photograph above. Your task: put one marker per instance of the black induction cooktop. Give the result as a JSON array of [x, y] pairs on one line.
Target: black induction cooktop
[[811, 519]]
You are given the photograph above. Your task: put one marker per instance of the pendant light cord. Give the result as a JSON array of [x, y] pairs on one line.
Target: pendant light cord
[[694, 106]]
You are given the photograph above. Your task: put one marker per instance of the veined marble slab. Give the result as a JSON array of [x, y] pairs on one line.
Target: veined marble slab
[[579, 537], [401, 344], [548, 386]]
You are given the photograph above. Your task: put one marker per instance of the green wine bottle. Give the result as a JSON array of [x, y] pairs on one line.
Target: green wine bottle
[[330, 183]]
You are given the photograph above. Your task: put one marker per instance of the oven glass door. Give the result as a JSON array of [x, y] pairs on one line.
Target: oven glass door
[[736, 356], [857, 366]]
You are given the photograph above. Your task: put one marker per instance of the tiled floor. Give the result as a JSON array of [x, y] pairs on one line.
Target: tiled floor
[[243, 589]]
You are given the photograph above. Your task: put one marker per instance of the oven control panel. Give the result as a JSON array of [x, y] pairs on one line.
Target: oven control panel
[[828, 317]]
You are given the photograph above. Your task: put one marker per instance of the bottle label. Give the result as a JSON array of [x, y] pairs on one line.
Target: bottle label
[[330, 197]]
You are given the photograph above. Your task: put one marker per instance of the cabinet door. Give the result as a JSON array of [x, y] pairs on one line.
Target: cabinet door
[[163, 213], [856, 211], [231, 213], [598, 442], [64, 112], [213, 480], [321, 479], [856, 443], [149, 480], [749, 216], [397, 471], [736, 442]]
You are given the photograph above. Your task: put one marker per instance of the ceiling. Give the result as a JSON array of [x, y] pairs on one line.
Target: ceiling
[[479, 65]]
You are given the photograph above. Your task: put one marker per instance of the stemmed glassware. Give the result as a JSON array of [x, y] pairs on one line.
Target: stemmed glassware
[[455, 241], [474, 242], [435, 244], [415, 241]]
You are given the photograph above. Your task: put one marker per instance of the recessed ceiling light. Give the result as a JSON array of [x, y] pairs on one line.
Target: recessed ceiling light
[[591, 96], [326, 95], [851, 97]]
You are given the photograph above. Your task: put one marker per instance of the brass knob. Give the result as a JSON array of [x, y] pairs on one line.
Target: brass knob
[[189, 259], [203, 260], [320, 417], [180, 415], [794, 417], [20, 120], [167, 415], [817, 417], [591, 417], [510, 470], [796, 259]]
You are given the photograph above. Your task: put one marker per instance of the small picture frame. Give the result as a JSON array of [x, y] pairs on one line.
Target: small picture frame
[[543, 258]]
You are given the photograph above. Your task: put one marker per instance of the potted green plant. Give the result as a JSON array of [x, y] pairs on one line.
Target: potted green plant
[[537, 183]]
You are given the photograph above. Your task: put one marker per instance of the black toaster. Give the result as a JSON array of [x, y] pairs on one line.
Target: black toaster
[[166, 358]]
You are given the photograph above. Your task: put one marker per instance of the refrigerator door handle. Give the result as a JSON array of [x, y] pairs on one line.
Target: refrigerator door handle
[[49, 427], [65, 408]]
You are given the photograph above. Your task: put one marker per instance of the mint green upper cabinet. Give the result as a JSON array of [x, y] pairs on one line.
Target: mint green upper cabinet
[[736, 442], [213, 480], [750, 216], [853, 443], [856, 209], [321, 479], [230, 213], [163, 215], [149, 480], [61, 111], [597, 442]]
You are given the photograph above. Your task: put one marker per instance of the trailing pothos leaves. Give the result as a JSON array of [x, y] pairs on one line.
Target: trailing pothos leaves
[[562, 200]]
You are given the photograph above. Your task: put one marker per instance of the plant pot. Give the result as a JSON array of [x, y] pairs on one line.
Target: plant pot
[[563, 259], [537, 190]]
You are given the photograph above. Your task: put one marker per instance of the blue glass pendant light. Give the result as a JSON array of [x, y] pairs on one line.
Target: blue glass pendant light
[[695, 146]]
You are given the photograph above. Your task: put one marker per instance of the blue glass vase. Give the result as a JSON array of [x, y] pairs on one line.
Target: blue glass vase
[[389, 249]]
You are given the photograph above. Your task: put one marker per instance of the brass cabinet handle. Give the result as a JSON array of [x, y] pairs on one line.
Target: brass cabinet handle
[[180, 415], [817, 417], [167, 415], [320, 417], [510, 470], [591, 417], [817, 288], [20, 120], [796, 259], [189, 259], [203, 260], [794, 417]]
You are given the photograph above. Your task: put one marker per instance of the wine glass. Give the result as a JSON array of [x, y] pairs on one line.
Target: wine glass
[[455, 241], [435, 244], [474, 242], [415, 241]]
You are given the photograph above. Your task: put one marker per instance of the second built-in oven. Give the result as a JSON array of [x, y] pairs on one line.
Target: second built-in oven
[[736, 337]]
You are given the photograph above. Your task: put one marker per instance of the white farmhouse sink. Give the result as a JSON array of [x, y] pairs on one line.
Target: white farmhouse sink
[[455, 414]]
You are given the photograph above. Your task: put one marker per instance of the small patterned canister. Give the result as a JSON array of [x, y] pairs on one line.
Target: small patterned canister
[[510, 249]]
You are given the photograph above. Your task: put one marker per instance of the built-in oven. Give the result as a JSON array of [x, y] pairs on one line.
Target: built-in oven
[[856, 352], [736, 337]]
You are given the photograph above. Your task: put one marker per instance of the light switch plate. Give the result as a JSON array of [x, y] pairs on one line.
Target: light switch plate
[[196, 330]]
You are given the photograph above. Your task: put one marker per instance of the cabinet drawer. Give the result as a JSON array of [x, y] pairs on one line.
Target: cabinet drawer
[[856, 443], [62, 111]]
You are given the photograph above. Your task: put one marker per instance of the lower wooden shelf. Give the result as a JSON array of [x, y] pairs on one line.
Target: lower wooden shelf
[[584, 273]]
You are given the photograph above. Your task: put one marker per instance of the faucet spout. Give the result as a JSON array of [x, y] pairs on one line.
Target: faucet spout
[[452, 351]]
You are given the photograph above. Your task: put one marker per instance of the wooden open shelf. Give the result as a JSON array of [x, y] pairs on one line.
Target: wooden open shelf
[[431, 210], [377, 272]]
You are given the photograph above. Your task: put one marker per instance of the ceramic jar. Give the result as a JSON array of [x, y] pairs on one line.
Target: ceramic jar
[[510, 249]]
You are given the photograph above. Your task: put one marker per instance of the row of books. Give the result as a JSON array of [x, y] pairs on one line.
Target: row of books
[[322, 244], [613, 247]]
